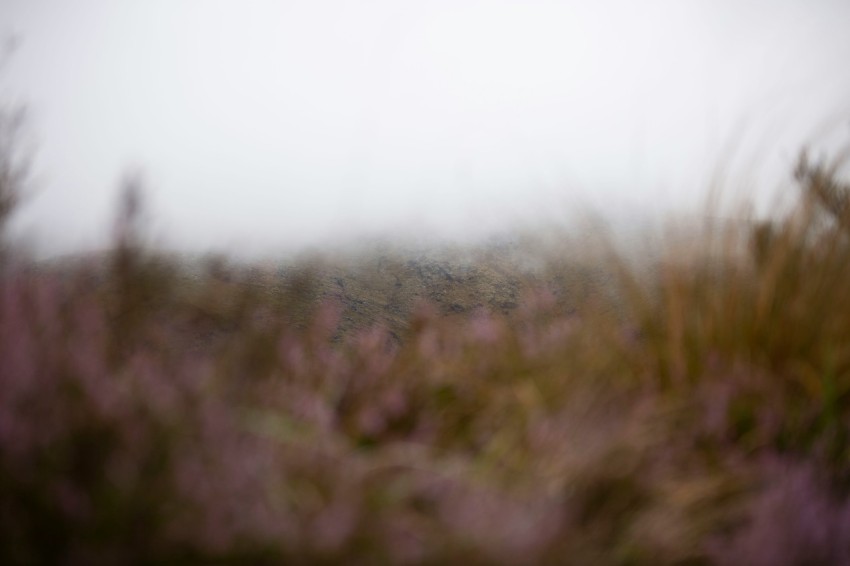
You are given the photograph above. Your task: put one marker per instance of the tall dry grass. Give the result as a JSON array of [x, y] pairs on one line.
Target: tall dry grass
[[698, 413]]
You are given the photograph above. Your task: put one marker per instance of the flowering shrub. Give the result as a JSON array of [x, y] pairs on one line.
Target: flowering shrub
[[698, 415]]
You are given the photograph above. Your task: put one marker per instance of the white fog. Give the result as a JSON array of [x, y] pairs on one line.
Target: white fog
[[265, 125]]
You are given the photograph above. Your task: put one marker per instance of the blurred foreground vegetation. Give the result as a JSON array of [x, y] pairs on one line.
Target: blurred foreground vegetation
[[485, 408]]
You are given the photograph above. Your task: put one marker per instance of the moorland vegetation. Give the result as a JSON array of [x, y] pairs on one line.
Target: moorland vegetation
[[433, 409]]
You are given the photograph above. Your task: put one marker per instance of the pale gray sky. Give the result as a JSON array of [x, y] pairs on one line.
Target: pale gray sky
[[263, 124]]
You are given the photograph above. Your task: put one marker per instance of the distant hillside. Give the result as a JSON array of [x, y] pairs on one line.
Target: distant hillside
[[384, 287], [376, 285]]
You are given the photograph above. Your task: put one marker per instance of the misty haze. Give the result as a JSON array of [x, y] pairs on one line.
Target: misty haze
[[445, 282], [264, 125]]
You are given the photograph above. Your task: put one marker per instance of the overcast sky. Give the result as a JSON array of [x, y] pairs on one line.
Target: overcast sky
[[261, 124]]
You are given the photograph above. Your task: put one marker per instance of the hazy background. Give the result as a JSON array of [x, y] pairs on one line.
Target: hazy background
[[263, 125]]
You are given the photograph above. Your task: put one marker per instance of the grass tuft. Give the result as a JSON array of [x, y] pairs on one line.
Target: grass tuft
[[494, 408]]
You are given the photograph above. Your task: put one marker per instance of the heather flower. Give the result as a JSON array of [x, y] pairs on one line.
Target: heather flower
[[793, 520], [698, 416]]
